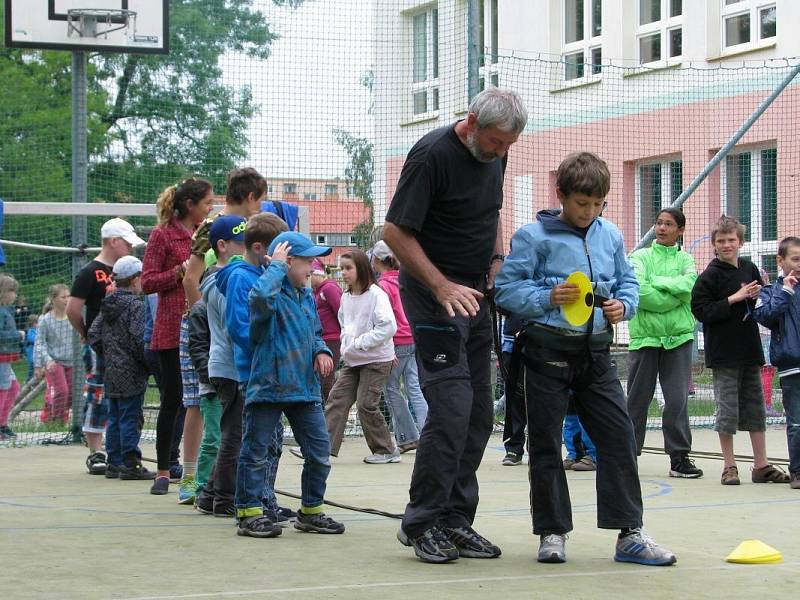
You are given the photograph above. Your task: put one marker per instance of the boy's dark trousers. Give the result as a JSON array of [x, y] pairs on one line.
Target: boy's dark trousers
[[600, 404], [515, 419], [221, 485]]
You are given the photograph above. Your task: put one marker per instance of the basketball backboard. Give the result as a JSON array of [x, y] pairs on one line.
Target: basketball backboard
[[135, 26]]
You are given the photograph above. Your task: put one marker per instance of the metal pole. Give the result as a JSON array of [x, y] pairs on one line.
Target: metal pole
[[473, 51], [79, 194], [724, 151]]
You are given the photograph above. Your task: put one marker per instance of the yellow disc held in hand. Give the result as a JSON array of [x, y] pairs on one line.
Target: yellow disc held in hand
[[580, 311]]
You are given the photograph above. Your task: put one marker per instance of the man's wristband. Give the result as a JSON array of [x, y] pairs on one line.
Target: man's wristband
[[500, 257]]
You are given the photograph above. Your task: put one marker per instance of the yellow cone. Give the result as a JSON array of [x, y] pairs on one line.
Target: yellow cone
[[754, 552]]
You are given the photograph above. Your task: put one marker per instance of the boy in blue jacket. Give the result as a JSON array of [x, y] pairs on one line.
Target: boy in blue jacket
[[287, 350], [561, 358], [778, 308]]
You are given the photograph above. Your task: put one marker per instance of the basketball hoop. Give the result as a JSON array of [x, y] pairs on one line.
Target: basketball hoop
[[86, 22]]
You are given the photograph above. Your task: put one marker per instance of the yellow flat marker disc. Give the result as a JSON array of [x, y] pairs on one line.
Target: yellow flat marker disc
[[579, 312], [754, 552]]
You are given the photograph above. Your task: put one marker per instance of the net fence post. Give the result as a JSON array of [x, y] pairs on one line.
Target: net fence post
[[473, 52]]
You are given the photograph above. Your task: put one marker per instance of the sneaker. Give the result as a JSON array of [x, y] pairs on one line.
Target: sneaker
[[224, 511], [568, 462], [551, 548], [683, 466], [408, 447], [160, 486], [297, 451], [204, 508], [187, 490], [470, 543], [730, 476], [637, 547], [317, 523], [794, 481], [96, 463], [136, 472], [283, 516], [7, 432], [586, 463], [769, 474], [383, 459], [112, 471], [433, 546], [176, 472], [511, 459], [259, 527]]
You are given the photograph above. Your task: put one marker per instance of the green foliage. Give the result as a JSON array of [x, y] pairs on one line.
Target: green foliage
[[359, 175]]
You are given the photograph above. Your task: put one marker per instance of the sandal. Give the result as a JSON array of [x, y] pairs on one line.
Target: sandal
[[770, 474], [730, 476]]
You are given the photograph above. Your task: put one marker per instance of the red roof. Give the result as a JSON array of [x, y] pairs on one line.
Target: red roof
[[334, 216]]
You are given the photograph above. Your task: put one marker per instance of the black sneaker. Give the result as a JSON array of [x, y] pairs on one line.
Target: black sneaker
[[283, 516], [224, 511], [512, 459], [683, 466], [470, 543], [7, 432], [136, 472], [160, 486], [96, 463], [176, 472], [432, 546], [317, 523], [112, 471], [204, 507], [259, 527]]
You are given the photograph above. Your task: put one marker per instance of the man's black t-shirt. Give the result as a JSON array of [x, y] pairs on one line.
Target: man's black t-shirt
[[90, 285], [451, 201]]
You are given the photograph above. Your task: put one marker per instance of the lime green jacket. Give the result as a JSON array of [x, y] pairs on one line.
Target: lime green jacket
[[664, 318]]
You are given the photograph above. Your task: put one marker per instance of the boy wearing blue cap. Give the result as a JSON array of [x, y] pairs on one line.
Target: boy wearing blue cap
[[286, 335]]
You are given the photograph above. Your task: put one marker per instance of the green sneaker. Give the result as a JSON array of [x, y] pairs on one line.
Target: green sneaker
[[187, 490]]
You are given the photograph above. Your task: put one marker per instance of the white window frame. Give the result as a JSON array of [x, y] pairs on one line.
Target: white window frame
[[665, 164], [488, 71], [752, 8], [309, 196], [353, 240], [289, 188], [432, 69], [662, 27], [331, 189], [322, 239], [757, 247], [584, 46]]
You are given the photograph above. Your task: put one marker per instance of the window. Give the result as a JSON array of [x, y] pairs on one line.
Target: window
[[353, 240], [289, 188], [331, 189], [309, 196], [269, 188], [322, 240], [750, 193], [748, 22], [582, 38], [425, 62], [488, 38], [659, 31], [658, 185]]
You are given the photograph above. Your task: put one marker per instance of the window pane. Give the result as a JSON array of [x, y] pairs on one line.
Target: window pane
[[573, 21], [769, 194], [420, 102], [649, 11], [495, 49], [675, 179], [482, 33], [675, 42], [728, 2], [435, 99], [597, 17], [435, 42], [649, 195], [650, 48], [738, 189], [420, 67], [768, 18], [676, 8], [597, 59], [573, 66], [737, 30], [495, 80], [769, 262]]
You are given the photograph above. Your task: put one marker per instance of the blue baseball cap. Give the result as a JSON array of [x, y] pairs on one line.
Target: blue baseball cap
[[227, 228], [301, 245]]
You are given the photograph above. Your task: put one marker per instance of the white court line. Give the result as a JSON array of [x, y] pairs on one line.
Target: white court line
[[389, 584]]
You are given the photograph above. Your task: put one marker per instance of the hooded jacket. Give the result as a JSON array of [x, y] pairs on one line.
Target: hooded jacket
[[234, 281], [730, 331], [368, 325], [389, 284], [664, 319], [220, 355], [117, 334], [546, 252], [328, 297], [778, 308], [287, 337]]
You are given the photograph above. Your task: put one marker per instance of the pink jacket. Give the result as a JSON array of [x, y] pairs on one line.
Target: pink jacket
[[328, 297], [391, 286]]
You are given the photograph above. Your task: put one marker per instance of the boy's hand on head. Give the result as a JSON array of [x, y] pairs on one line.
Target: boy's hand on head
[[614, 311], [564, 293], [323, 364], [281, 252]]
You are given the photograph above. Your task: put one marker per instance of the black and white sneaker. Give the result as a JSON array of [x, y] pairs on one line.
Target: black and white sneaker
[[511, 459], [96, 463], [683, 466], [283, 516], [317, 523], [470, 543], [112, 471], [259, 527], [224, 511], [135, 472], [433, 546]]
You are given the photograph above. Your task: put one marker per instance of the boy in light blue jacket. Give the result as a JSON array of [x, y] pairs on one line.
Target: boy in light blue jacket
[[286, 335], [562, 359]]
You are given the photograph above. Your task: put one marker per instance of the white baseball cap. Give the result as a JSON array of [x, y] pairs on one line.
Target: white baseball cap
[[381, 250], [122, 229], [127, 266]]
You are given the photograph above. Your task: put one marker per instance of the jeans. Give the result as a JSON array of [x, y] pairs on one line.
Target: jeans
[[406, 430], [790, 386], [260, 422], [575, 434], [211, 409], [124, 430], [453, 358]]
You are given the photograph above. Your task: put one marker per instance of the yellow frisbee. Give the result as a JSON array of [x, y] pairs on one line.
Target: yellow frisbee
[[579, 312]]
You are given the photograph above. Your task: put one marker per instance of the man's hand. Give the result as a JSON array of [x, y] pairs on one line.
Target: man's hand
[[564, 293], [614, 311], [281, 252], [323, 364], [458, 298]]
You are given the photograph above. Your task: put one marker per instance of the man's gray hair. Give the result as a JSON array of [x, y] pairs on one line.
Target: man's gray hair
[[503, 109]]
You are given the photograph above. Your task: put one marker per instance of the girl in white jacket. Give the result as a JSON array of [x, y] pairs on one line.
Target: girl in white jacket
[[368, 325]]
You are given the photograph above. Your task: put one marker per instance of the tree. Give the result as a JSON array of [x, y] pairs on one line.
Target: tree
[[359, 175]]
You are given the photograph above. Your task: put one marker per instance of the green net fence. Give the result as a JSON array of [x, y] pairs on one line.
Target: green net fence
[[325, 98]]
